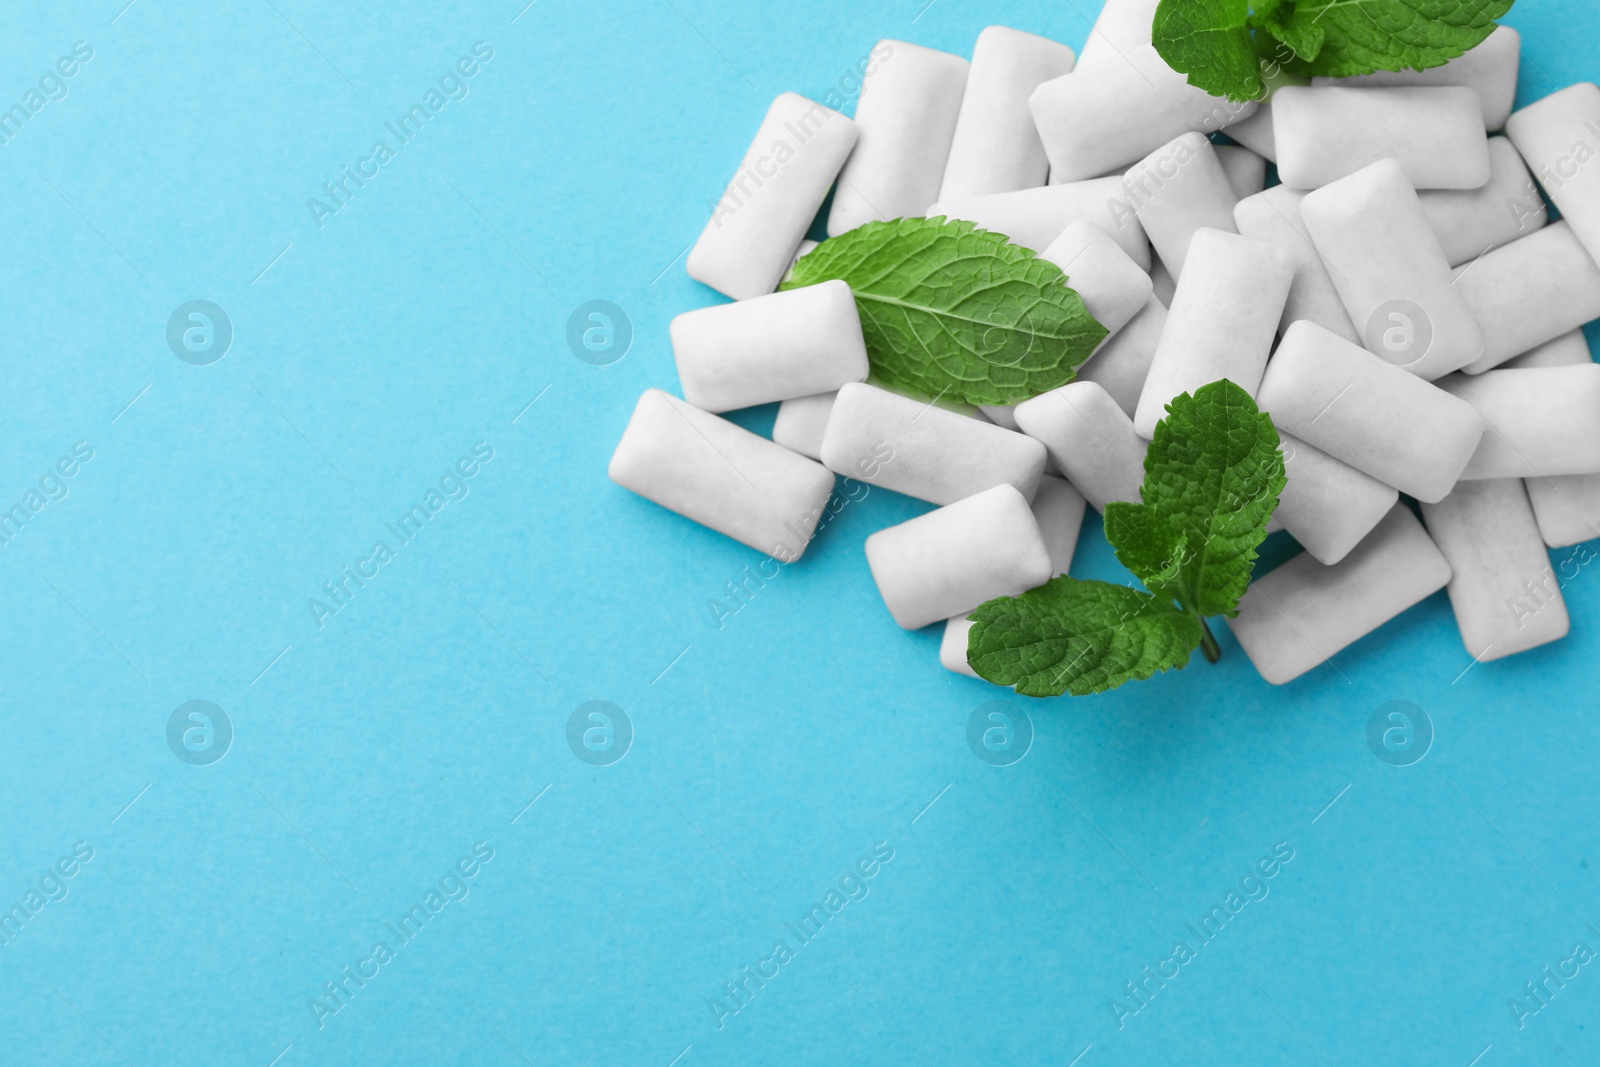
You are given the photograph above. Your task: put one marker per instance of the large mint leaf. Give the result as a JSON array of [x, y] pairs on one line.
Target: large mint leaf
[[950, 310], [1078, 637], [1361, 36], [1213, 475]]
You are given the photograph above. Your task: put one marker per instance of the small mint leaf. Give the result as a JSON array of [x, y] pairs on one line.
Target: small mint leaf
[[1146, 544], [1078, 637], [1213, 474], [949, 310], [1209, 40], [1304, 38]]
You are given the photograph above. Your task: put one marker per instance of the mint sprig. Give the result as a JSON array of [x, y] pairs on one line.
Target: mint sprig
[[1071, 636], [1223, 46], [1212, 477], [949, 310]]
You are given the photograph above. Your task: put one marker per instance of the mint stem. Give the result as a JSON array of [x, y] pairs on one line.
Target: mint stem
[[1208, 644]]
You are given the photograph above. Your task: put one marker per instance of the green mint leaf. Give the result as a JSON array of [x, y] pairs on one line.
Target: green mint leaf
[[1209, 40], [1361, 36], [1147, 545], [1212, 476], [1303, 38], [949, 310], [1078, 637]]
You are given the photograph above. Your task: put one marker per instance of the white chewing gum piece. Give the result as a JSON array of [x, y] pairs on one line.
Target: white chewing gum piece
[[953, 646], [1391, 272], [1121, 27], [1246, 171], [1559, 138], [1090, 439], [1104, 116], [1058, 509], [1000, 415], [1162, 281], [1567, 507], [1399, 429], [1505, 596], [1324, 134], [1489, 69], [1328, 506], [721, 475], [1178, 190], [1111, 284], [1033, 218], [758, 225], [951, 560], [1222, 322], [1122, 363], [996, 147], [1541, 422], [796, 343], [1470, 222], [1528, 292], [1304, 613], [1255, 133], [1568, 350], [906, 117], [801, 422], [895, 442], [1274, 217]]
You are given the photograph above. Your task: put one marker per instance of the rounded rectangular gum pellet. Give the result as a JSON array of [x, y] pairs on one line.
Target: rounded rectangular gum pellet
[[1391, 272], [1033, 218], [1274, 216], [1567, 507], [996, 147], [1090, 439], [1330, 133], [1111, 284], [1176, 190], [1058, 508], [1505, 596], [953, 646], [1254, 132], [799, 342], [765, 210], [1221, 324], [1399, 429], [1121, 364], [1531, 291], [801, 422], [721, 475], [1470, 222], [1489, 69], [951, 560], [1121, 27], [1328, 505], [1246, 171], [1541, 423], [921, 450], [906, 118], [1104, 116], [1559, 137], [1304, 613], [1162, 281], [1568, 350]]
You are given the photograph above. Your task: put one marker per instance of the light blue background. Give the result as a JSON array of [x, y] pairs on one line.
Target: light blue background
[[769, 755]]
